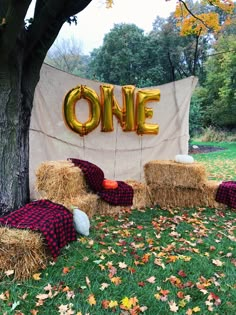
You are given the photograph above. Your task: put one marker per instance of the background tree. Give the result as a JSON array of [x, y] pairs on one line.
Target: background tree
[[218, 98], [66, 54], [118, 60]]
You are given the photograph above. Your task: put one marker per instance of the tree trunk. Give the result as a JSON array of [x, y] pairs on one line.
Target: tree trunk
[[15, 111]]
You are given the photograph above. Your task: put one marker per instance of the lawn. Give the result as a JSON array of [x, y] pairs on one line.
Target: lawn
[[150, 261]]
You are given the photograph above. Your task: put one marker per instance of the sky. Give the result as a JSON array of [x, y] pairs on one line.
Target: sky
[[96, 20]]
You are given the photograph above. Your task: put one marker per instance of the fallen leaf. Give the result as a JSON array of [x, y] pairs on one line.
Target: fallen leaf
[[116, 280], [217, 262], [36, 276], [112, 304], [87, 281], [91, 299], [104, 286], [122, 265], [173, 306], [181, 273], [65, 270], [9, 272], [196, 309], [151, 279]]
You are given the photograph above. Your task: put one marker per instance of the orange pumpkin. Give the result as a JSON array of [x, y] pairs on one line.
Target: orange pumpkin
[[109, 184]]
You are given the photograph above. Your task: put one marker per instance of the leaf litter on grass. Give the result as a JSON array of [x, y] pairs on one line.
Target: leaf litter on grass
[[142, 262]]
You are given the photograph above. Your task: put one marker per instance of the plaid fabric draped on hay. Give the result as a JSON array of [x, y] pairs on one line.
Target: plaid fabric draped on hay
[[94, 176], [226, 193], [53, 220]]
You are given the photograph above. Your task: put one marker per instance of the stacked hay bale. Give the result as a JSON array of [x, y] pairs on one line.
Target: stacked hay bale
[[64, 183], [173, 184], [141, 197], [22, 252]]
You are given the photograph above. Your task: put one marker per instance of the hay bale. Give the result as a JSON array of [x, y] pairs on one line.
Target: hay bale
[[141, 197], [59, 180], [87, 202], [210, 189], [171, 173], [177, 196], [185, 197], [104, 208], [22, 251]]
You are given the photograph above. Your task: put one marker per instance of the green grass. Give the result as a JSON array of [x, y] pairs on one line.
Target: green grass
[[143, 262], [221, 165]]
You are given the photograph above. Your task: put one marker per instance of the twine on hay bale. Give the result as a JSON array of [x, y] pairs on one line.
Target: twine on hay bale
[[141, 197], [171, 173], [22, 251], [59, 180]]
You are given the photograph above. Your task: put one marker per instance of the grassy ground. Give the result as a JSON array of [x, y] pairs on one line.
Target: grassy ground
[[142, 262], [221, 165]]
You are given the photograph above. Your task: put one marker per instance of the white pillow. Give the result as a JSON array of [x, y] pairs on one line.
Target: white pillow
[[184, 158], [81, 222]]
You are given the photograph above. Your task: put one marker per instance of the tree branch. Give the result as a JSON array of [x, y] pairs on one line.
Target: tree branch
[[14, 23], [193, 15], [49, 16]]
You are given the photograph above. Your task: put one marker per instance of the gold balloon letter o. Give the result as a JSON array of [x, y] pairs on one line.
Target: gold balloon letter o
[[71, 98]]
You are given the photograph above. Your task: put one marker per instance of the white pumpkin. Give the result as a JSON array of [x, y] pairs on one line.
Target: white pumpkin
[[184, 158], [81, 222]]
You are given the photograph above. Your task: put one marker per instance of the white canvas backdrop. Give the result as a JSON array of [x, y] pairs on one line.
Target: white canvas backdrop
[[121, 155]]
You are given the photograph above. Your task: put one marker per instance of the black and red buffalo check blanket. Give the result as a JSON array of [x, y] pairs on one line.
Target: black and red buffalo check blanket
[[53, 220], [94, 176], [226, 194]]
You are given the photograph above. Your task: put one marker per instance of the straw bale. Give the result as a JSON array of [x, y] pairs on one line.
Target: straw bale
[[58, 180], [210, 189], [88, 203], [22, 251], [177, 196], [141, 197], [170, 173], [104, 208], [185, 197]]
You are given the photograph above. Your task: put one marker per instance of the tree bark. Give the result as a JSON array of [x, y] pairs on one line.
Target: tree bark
[[14, 136], [22, 52]]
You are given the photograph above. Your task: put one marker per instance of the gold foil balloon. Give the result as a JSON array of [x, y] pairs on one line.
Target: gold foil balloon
[[144, 96], [106, 104], [110, 107], [71, 98], [128, 107]]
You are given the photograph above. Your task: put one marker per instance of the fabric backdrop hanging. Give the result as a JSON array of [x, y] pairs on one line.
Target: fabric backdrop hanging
[[121, 155]]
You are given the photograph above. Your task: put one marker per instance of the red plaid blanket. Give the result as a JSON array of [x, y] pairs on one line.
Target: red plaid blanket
[[53, 220], [94, 176], [226, 194]]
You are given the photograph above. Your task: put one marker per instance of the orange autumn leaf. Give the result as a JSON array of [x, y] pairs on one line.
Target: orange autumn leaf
[[105, 304], [65, 270], [164, 292], [91, 299], [116, 280]]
